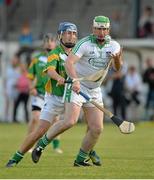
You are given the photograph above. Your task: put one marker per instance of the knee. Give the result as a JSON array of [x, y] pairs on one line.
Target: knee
[[36, 115], [96, 131], [70, 123], [35, 119]]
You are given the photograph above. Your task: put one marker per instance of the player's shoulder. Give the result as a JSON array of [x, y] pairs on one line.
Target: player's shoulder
[[82, 43], [84, 40], [54, 54], [54, 51], [38, 55], [35, 59]]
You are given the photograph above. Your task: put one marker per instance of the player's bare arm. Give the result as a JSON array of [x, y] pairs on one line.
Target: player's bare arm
[[54, 75], [69, 66], [32, 89]]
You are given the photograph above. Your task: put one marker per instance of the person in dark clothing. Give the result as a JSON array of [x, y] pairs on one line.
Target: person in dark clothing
[[148, 78], [118, 93]]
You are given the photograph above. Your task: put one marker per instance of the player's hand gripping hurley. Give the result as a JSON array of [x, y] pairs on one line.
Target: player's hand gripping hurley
[[124, 126]]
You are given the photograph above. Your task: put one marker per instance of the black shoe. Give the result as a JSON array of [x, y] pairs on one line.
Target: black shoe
[[36, 154], [82, 163], [11, 163], [95, 158]]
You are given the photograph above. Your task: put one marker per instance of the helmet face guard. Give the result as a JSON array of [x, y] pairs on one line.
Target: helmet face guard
[[66, 27], [101, 22]]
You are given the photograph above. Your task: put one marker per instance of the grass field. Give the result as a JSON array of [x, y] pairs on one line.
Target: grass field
[[124, 156]]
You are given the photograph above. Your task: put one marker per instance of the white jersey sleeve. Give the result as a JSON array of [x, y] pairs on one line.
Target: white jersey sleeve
[[80, 51], [80, 48]]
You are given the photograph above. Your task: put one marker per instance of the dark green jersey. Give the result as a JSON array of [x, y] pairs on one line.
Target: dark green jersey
[[35, 71], [56, 60]]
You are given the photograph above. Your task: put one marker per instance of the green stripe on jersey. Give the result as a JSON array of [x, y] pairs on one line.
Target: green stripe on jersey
[[77, 46], [67, 92]]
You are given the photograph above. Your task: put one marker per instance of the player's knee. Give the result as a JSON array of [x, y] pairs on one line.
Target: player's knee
[[35, 120], [96, 131], [36, 117], [70, 123]]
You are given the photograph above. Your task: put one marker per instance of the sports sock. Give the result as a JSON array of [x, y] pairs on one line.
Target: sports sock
[[56, 143], [81, 156], [17, 156], [43, 142], [91, 152]]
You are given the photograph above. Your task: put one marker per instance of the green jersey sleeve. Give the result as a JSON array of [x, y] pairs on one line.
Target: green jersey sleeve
[[32, 69]]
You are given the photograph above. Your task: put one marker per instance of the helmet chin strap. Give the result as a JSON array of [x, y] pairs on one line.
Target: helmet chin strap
[[68, 45], [48, 49], [100, 40]]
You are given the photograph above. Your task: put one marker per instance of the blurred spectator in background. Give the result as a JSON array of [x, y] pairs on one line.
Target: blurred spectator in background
[[25, 39], [133, 84], [25, 54], [115, 23], [148, 78], [2, 1], [146, 23], [22, 87], [10, 80], [0, 63], [133, 90], [3, 19], [8, 2], [25, 42], [118, 92]]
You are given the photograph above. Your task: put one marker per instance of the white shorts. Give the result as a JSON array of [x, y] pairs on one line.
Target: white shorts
[[71, 96], [53, 106], [37, 101]]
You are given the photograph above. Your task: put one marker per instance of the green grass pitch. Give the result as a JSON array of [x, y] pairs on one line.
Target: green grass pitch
[[124, 156]]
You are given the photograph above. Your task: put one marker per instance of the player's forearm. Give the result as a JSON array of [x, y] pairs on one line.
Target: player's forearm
[[117, 63], [31, 84], [53, 74]]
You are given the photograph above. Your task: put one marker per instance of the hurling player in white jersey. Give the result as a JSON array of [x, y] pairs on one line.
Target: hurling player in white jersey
[[89, 55]]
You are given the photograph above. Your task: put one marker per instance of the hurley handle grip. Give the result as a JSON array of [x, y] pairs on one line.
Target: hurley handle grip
[[69, 81], [85, 96]]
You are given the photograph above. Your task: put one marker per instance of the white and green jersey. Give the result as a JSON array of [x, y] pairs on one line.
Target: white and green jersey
[[93, 57]]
